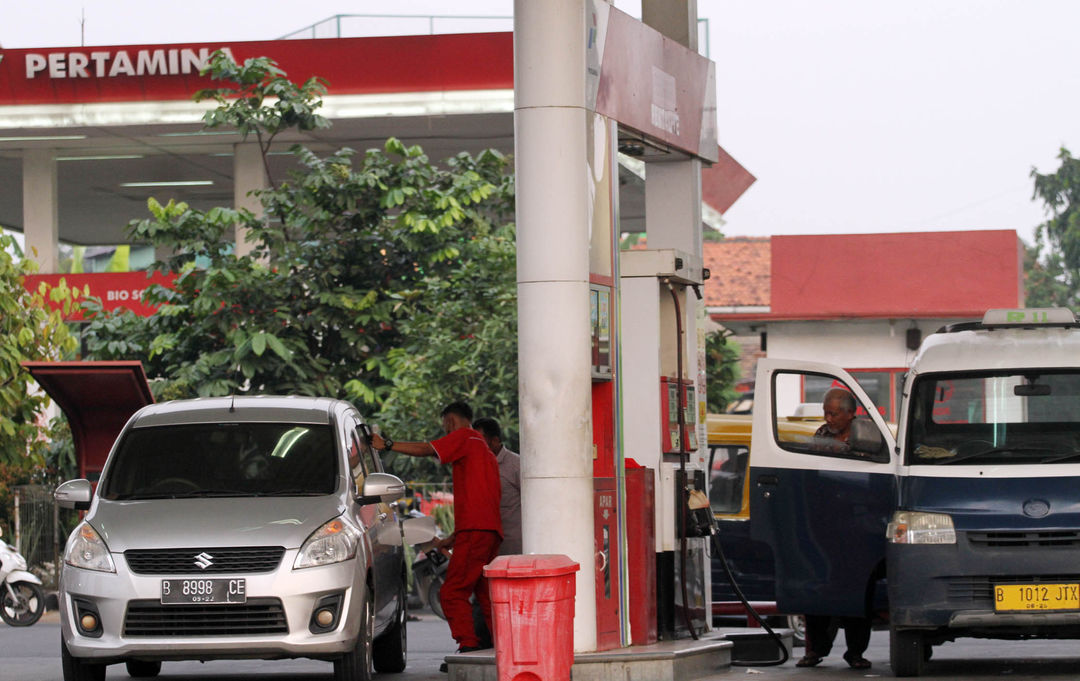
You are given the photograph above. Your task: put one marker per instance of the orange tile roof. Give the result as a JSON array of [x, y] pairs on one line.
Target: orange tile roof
[[740, 269]]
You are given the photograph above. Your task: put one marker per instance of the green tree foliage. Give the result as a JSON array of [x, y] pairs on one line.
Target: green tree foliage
[[722, 370], [465, 343], [29, 331], [1052, 265], [378, 277]]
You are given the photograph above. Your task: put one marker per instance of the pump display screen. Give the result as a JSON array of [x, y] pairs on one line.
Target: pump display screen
[[1029, 417]]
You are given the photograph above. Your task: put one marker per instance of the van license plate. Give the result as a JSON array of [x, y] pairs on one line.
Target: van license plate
[[1027, 597], [203, 591]]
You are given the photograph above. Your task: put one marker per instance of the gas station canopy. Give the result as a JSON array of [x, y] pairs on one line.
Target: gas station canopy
[[122, 127]]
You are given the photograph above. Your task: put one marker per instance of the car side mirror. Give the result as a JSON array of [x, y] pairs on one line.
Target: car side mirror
[[381, 487], [864, 438], [74, 494]]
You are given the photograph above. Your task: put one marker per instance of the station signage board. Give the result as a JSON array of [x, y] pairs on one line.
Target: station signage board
[[649, 82], [141, 73], [115, 289]]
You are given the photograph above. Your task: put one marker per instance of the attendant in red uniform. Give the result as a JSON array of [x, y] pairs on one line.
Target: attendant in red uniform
[[477, 521]]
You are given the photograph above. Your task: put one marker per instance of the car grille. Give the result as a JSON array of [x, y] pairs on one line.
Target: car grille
[[257, 616], [979, 590], [189, 561], [1023, 539]]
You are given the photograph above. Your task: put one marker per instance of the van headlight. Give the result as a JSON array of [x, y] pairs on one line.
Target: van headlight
[[332, 543], [914, 527], [87, 550]]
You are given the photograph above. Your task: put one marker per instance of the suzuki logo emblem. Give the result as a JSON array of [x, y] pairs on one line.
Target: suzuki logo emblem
[[203, 560]]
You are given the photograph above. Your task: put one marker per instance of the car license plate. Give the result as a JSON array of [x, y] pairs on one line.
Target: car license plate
[[203, 591], [1027, 597]]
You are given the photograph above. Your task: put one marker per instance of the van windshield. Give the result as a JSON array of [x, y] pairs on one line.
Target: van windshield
[[1008, 417], [223, 460]]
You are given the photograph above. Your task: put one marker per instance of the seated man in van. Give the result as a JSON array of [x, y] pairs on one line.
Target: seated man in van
[[839, 407]]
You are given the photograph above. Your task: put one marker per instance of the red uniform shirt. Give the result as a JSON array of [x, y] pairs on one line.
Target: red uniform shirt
[[477, 489]]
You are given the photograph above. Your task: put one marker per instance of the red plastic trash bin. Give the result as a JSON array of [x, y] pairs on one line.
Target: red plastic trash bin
[[532, 605]]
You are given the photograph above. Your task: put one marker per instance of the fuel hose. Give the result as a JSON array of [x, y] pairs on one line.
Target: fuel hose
[[784, 656]]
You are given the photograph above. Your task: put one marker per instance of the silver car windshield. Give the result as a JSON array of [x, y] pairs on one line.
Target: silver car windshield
[[1029, 417], [223, 460]]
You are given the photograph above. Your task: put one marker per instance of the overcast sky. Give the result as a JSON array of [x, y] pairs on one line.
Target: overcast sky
[[855, 116]]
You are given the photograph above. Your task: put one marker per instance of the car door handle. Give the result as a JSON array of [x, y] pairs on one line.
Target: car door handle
[[767, 481]]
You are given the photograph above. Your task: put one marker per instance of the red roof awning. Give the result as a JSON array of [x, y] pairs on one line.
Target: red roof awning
[[98, 398]]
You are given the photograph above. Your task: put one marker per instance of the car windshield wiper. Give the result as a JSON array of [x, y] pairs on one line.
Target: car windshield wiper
[[288, 493], [137, 496], [992, 450], [1075, 454]]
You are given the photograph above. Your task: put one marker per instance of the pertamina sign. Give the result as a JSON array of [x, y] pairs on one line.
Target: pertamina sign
[[148, 73], [103, 63]]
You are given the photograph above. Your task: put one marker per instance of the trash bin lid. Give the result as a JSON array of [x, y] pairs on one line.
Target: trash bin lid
[[530, 565]]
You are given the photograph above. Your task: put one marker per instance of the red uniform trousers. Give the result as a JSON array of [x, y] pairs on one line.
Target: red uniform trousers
[[473, 549]]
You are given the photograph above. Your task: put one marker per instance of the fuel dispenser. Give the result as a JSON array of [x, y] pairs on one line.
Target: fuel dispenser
[[664, 422]]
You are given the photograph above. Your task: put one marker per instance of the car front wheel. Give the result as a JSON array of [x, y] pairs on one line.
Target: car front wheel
[[77, 669], [907, 651], [355, 665], [390, 650], [141, 669]]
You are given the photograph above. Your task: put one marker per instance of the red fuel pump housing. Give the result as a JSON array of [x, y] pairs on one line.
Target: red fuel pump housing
[[641, 553], [606, 548]]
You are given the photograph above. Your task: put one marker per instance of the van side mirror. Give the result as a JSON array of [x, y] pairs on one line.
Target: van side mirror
[[419, 530], [74, 494], [866, 439], [381, 487]]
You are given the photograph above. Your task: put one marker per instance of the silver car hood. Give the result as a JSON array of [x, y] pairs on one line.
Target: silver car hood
[[183, 523]]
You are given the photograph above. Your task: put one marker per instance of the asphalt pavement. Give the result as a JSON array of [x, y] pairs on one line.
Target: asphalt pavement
[[33, 654]]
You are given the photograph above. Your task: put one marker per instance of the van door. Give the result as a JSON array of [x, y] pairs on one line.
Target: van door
[[821, 506]]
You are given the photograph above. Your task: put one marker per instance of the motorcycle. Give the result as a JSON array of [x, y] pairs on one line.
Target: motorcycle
[[429, 566], [22, 600], [429, 572]]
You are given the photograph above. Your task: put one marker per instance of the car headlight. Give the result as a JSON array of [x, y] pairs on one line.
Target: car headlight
[[86, 549], [332, 543], [913, 527]]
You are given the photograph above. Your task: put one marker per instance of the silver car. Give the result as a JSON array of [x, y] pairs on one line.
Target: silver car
[[236, 527]]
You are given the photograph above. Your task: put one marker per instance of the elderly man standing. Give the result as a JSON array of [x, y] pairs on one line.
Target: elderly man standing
[[477, 523], [832, 437]]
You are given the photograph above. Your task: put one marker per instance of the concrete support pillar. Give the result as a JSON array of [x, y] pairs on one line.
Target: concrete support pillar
[[673, 190], [249, 174], [673, 220], [553, 221], [41, 222]]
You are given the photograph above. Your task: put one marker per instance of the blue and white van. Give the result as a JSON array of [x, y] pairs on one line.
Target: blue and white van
[[971, 514]]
